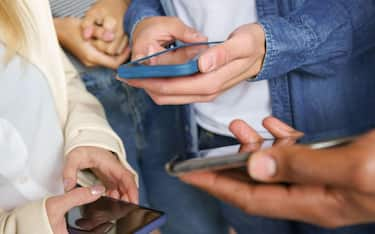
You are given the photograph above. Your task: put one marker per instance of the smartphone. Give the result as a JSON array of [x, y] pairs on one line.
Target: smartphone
[[176, 61], [233, 156], [108, 215]]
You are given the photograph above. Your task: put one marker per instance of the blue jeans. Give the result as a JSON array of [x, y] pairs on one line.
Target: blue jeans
[[153, 135], [244, 223]]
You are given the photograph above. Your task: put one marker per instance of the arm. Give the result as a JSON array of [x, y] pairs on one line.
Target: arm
[[316, 36], [29, 219], [86, 128]]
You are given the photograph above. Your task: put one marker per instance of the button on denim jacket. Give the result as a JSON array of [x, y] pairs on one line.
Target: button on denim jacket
[[320, 62]]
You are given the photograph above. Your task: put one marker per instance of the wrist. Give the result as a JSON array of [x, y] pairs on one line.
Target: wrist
[[260, 41]]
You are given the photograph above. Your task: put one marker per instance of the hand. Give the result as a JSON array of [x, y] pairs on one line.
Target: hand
[[328, 187], [69, 34], [119, 182], [102, 25], [222, 67], [58, 206]]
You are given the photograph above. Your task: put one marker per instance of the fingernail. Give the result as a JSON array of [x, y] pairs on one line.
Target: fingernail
[[263, 168], [87, 33], [208, 63], [108, 36], [68, 184], [97, 190]]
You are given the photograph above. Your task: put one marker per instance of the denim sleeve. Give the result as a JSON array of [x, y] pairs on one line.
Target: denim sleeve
[[139, 10], [317, 36]]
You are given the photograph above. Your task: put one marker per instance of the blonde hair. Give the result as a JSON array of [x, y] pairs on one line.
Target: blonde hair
[[13, 28]]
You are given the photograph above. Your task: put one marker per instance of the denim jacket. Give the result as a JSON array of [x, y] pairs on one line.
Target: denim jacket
[[320, 62]]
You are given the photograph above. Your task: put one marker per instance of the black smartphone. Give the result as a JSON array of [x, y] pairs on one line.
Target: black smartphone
[[234, 156], [108, 215]]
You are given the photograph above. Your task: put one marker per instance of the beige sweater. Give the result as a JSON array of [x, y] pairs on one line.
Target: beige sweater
[[81, 116]]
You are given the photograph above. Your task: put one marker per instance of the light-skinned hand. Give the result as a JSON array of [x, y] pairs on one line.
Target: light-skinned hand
[[221, 67], [118, 181], [58, 206], [102, 25], [69, 35]]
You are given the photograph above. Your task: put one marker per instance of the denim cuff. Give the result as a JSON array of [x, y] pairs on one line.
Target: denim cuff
[[289, 44]]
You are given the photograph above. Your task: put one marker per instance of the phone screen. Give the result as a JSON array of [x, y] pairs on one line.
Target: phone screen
[[236, 156], [107, 215]]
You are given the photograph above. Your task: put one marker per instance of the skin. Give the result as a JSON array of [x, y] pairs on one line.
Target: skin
[[329, 187], [103, 25], [117, 181], [58, 206], [98, 39], [221, 67]]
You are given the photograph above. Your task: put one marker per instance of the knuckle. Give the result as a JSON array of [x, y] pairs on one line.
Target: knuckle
[[364, 174]]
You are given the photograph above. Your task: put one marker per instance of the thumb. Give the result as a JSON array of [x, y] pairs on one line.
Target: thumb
[[303, 165], [219, 55], [80, 196]]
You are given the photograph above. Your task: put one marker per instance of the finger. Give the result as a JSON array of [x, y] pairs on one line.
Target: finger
[[88, 26], [302, 203], [300, 164], [244, 133], [279, 129], [99, 33], [112, 61], [184, 33], [125, 197], [199, 84], [79, 196], [74, 164], [110, 23], [114, 194], [123, 45], [118, 46], [180, 100], [141, 50], [285, 141], [128, 187], [177, 30]]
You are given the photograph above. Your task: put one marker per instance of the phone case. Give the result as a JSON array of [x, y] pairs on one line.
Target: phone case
[[136, 70]]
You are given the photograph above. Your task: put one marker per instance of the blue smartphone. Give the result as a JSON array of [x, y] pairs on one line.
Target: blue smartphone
[[107, 215], [181, 60]]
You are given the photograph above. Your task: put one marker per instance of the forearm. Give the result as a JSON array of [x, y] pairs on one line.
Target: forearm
[[314, 35], [139, 10], [29, 219]]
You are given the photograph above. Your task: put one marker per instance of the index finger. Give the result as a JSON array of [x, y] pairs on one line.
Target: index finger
[[303, 203]]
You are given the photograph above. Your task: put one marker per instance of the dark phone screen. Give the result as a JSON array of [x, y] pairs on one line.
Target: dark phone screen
[[107, 215]]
